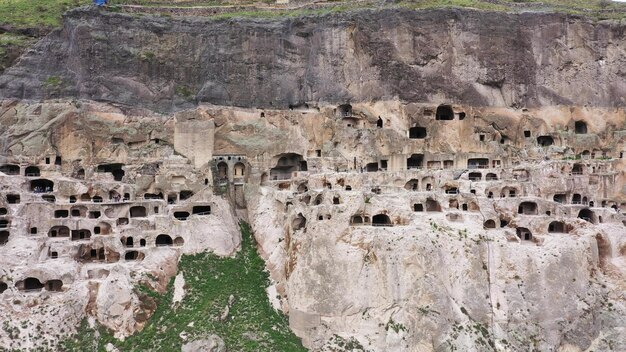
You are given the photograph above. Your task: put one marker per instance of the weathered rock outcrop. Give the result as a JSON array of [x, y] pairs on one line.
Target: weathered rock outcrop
[[461, 56], [417, 180]]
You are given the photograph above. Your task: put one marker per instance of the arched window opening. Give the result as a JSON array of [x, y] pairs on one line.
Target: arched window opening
[[133, 255], [356, 220], [344, 110], [545, 141], [240, 170], [580, 127], [577, 169], [489, 224], [491, 177], [163, 240], [222, 170], [444, 112], [587, 215], [381, 220], [524, 234], [432, 205], [556, 227], [527, 208], [32, 171], [31, 284], [412, 185]]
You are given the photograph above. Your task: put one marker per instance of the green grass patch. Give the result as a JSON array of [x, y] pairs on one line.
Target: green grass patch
[[36, 13], [252, 324], [47, 13]]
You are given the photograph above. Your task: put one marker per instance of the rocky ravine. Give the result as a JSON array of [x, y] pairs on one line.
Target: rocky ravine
[[436, 180]]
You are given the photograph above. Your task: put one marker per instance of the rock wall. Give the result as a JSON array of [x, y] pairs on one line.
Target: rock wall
[[460, 56], [417, 180], [94, 202]]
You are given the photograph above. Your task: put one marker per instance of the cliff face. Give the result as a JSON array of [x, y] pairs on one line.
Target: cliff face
[[462, 56], [493, 221]]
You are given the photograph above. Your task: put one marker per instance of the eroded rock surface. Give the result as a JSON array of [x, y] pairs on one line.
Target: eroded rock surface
[[424, 181], [471, 57]]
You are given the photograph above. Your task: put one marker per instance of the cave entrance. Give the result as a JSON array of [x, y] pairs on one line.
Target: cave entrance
[[371, 167], [32, 171], [587, 215], [417, 132], [381, 220], [32, 284], [286, 165], [115, 170], [524, 234], [201, 210], [556, 227], [138, 212], [54, 285], [412, 185], [416, 161], [163, 240], [489, 224], [10, 169], [41, 185], [444, 112], [478, 163], [222, 170], [82, 234], [4, 237], [181, 215], [432, 205], [527, 208], [545, 141]]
